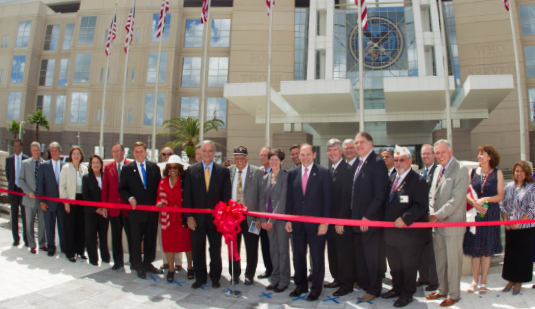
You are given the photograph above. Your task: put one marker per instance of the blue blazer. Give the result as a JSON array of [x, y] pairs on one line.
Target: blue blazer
[[47, 184], [317, 199]]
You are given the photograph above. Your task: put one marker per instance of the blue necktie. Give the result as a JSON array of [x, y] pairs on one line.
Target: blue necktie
[[425, 173], [144, 175], [56, 164], [17, 170]]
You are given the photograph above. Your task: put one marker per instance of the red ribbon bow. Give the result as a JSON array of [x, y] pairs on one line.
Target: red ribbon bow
[[227, 220]]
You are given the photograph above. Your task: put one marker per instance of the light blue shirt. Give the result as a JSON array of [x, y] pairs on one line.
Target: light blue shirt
[[210, 167]]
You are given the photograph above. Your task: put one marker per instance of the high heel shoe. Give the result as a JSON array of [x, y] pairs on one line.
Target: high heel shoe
[[191, 274], [508, 287], [170, 276], [473, 287]]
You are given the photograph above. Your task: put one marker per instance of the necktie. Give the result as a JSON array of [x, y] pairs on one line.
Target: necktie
[[332, 170], [440, 176], [144, 174], [355, 178], [119, 171], [425, 173], [394, 188], [207, 177], [305, 180], [36, 171], [239, 189], [56, 164], [265, 171], [17, 170]]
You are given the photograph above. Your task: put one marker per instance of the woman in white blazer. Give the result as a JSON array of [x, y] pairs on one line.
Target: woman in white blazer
[[70, 187]]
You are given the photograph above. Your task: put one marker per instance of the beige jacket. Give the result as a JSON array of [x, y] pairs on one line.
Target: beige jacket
[[67, 180]]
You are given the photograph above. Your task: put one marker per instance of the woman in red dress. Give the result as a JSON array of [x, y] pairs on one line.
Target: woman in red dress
[[175, 237]]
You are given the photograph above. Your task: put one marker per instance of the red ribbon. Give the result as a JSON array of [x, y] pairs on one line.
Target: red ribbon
[[305, 219], [227, 220]]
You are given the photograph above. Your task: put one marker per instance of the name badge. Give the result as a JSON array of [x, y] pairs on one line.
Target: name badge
[[403, 198]]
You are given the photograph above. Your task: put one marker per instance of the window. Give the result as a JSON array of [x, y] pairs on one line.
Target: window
[[46, 74], [23, 36], [191, 72], [167, 26], [194, 30], [137, 35], [51, 37], [529, 52], [87, 30], [220, 33], [67, 38], [134, 74], [130, 116], [13, 105], [1, 76], [217, 71], [149, 109], [527, 19], [189, 107], [96, 150], [98, 115], [151, 71], [7, 41], [301, 44], [17, 71], [63, 72], [60, 109], [216, 108], [3, 39], [102, 75], [78, 107], [531, 97], [43, 104], [82, 66]]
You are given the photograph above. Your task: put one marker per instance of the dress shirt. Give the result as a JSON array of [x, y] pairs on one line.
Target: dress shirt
[[139, 171], [308, 172], [401, 177], [119, 165], [428, 169], [56, 166], [447, 165], [235, 180], [390, 171], [352, 161], [337, 163], [99, 180], [210, 167], [18, 163], [266, 171]]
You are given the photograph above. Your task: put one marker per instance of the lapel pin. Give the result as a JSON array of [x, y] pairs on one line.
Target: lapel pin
[[135, 171], [314, 174]]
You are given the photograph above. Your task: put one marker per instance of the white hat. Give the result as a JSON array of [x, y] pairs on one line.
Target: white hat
[[401, 151], [174, 159]]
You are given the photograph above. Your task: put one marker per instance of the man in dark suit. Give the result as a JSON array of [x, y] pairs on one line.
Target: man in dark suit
[[13, 164], [339, 237], [350, 152], [264, 240], [206, 184], [407, 203], [428, 267], [368, 197], [118, 217], [139, 185], [309, 194], [47, 185], [388, 156]]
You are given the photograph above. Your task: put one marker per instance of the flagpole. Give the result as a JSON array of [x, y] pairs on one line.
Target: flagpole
[[446, 74], [101, 139], [155, 110], [523, 155], [361, 69], [268, 79], [121, 134], [206, 32]]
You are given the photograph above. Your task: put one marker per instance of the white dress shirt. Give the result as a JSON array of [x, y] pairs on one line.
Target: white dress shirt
[[235, 181], [352, 161]]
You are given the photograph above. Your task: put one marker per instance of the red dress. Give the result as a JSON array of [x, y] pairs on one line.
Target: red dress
[[175, 238]]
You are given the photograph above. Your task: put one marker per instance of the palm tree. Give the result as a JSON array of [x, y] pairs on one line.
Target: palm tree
[[186, 133], [14, 128], [39, 120]]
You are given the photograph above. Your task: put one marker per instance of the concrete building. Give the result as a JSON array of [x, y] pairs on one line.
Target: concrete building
[[52, 58]]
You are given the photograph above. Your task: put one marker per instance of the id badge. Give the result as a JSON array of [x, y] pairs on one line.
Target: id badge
[[404, 199]]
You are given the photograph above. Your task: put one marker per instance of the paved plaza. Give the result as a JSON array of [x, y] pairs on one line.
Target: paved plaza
[[38, 281]]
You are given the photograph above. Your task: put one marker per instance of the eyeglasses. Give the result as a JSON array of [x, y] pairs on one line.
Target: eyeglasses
[[173, 167], [166, 154], [400, 160]]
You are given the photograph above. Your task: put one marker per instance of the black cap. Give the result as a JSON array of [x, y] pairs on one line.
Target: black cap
[[241, 150]]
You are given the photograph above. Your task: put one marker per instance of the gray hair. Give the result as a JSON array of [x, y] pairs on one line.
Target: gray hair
[[55, 145], [442, 141], [347, 141], [334, 142], [390, 150], [208, 142], [35, 143]]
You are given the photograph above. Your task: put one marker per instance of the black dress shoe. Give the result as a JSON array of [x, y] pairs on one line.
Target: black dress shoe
[[309, 278], [117, 266], [16, 243], [235, 281], [390, 294], [420, 283], [248, 281], [342, 292], [216, 285], [51, 253], [270, 287], [402, 302], [264, 275], [279, 290], [197, 284], [312, 296], [94, 263], [432, 287], [297, 292], [82, 256], [154, 270], [141, 274], [332, 285]]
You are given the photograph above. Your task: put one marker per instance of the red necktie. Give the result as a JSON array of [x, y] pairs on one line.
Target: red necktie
[[305, 180]]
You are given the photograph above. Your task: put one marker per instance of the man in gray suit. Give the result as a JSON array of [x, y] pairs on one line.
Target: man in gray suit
[[447, 200], [246, 181], [28, 184], [47, 185]]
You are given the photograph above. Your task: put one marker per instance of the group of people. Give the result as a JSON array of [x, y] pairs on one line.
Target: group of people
[[363, 186]]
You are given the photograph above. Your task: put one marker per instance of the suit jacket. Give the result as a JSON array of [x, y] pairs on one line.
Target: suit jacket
[[277, 194], [132, 186], [429, 174], [413, 188], [251, 189], [47, 184], [369, 191], [27, 181], [447, 200], [195, 195], [67, 180], [110, 189], [10, 172], [394, 172], [91, 191], [342, 181], [317, 199]]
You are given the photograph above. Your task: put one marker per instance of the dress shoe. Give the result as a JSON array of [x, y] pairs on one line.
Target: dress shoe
[[248, 281], [434, 296], [94, 263], [402, 302], [297, 292], [216, 285], [117, 266], [141, 274], [280, 290], [270, 287], [432, 287], [367, 297], [154, 270], [32, 250], [420, 283], [448, 302], [264, 275], [26, 244], [342, 292], [235, 281], [16, 243], [390, 294], [82, 256], [356, 286], [197, 284], [50, 253], [43, 248], [332, 285], [106, 261], [312, 296], [516, 292]]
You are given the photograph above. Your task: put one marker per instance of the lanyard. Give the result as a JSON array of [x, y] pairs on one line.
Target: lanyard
[[486, 177]]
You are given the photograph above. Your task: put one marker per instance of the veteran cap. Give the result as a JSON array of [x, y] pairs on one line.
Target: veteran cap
[[241, 150]]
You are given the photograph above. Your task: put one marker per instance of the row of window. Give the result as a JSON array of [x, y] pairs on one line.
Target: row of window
[[216, 108], [527, 19]]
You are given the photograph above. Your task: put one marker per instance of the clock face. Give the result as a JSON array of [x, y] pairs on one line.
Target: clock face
[[382, 43]]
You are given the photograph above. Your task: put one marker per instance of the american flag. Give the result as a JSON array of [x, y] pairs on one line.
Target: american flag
[[129, 30], [161, 21], [204, 12], [268, 2], [112, 34], [364, 11], [215, 115], [506, 4]]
